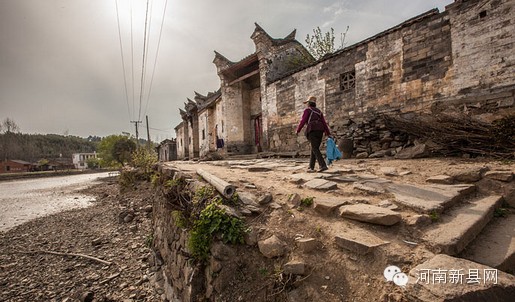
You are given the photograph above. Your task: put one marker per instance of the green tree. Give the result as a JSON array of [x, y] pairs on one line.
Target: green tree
[[320, 44], [115, 150], [92, 162], [122, 150]]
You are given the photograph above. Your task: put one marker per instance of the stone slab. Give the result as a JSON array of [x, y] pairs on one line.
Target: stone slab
[[321, 184], [370, 188], [495, 245], [426, 199], [370, 214], [506, 176], [359, 241], [441, 179], [504, 290], [307, 244], [303, 176], [457, 228], [343, 179], [389, 171], [326, 205]]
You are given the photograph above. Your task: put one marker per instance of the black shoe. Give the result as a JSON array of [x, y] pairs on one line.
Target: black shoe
[[322, 169]]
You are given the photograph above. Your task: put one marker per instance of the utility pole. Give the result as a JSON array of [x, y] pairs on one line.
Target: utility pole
[[148, 136], [137, 134]]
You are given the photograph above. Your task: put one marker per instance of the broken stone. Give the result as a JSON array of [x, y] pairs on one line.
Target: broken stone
[[370, 188], [370, 214], [506, 176], [418, 151], [502, 290], [405, 173], [230, 211], [468, 175], [275, 206], [321, 184], [222, 251], [388, 205], [272, 247], [457, 228], [295, 199], [326, 206], [248, 198], [307, 244], [361, 243], [216, 266], [426, 199], [97, 241], [491, 186], [389, 171], [250, 187], [267, 198], [441, 179], [419, 221], [294, 267], [128, 218], [251, 237], [362, 155], [379, 154]]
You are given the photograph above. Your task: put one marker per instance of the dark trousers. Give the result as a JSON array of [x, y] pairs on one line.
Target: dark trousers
[[315, 139]]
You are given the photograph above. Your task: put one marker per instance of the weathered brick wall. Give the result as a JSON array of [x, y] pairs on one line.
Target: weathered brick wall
[[447, 58], [483, 47]]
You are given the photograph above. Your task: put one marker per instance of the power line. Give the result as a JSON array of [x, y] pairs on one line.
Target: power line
[[132, 59], [157, 53], [123, 61], [143, 62]]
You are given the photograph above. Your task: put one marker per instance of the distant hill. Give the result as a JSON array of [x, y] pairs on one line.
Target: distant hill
[[33, 147]]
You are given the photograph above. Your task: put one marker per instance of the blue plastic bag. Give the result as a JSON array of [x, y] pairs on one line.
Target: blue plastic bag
[[332, 151]]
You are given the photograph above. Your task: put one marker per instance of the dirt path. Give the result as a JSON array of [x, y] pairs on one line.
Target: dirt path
[[23, 200]]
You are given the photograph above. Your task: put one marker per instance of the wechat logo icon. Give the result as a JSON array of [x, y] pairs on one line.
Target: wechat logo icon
[[393, 273]]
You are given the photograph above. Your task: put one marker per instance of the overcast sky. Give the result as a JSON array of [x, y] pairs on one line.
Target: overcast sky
[[61, 65]]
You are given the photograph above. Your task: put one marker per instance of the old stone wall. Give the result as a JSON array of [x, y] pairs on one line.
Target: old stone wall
[[179, 280], [435, 59]]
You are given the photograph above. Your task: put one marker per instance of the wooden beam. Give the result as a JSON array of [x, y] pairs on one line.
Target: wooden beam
[[248, 75]]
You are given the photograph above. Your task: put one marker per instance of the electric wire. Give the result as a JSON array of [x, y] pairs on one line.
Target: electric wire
[[157, 54], [123, 61], [132, 69], [143, 62]]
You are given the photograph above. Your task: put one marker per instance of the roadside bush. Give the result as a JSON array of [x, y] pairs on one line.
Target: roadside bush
[[145, 160]]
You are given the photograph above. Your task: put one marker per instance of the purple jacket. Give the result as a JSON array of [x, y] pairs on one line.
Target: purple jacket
[[315, 120]]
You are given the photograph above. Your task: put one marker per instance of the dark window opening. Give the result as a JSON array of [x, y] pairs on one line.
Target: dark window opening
[[482, 14], [222, 126], [203, 134], [8, 168], [348, 80]]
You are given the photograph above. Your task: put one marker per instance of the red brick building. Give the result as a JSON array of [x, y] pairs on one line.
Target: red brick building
[[14, 166]]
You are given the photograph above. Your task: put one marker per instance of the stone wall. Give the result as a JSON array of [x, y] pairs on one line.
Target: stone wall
[[435, 59], [178, 279]]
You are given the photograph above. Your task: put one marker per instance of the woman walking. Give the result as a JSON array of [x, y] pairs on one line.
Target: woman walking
[[316, 126]]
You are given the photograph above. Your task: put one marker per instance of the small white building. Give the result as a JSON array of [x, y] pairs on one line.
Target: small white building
[[79, 159]]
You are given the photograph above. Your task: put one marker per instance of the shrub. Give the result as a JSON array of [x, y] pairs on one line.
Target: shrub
[[213, 222]]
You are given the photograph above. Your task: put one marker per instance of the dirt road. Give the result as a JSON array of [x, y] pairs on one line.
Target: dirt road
[[23, 200]]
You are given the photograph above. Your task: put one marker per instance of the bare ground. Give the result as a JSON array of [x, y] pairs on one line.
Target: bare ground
[[28, 273]]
